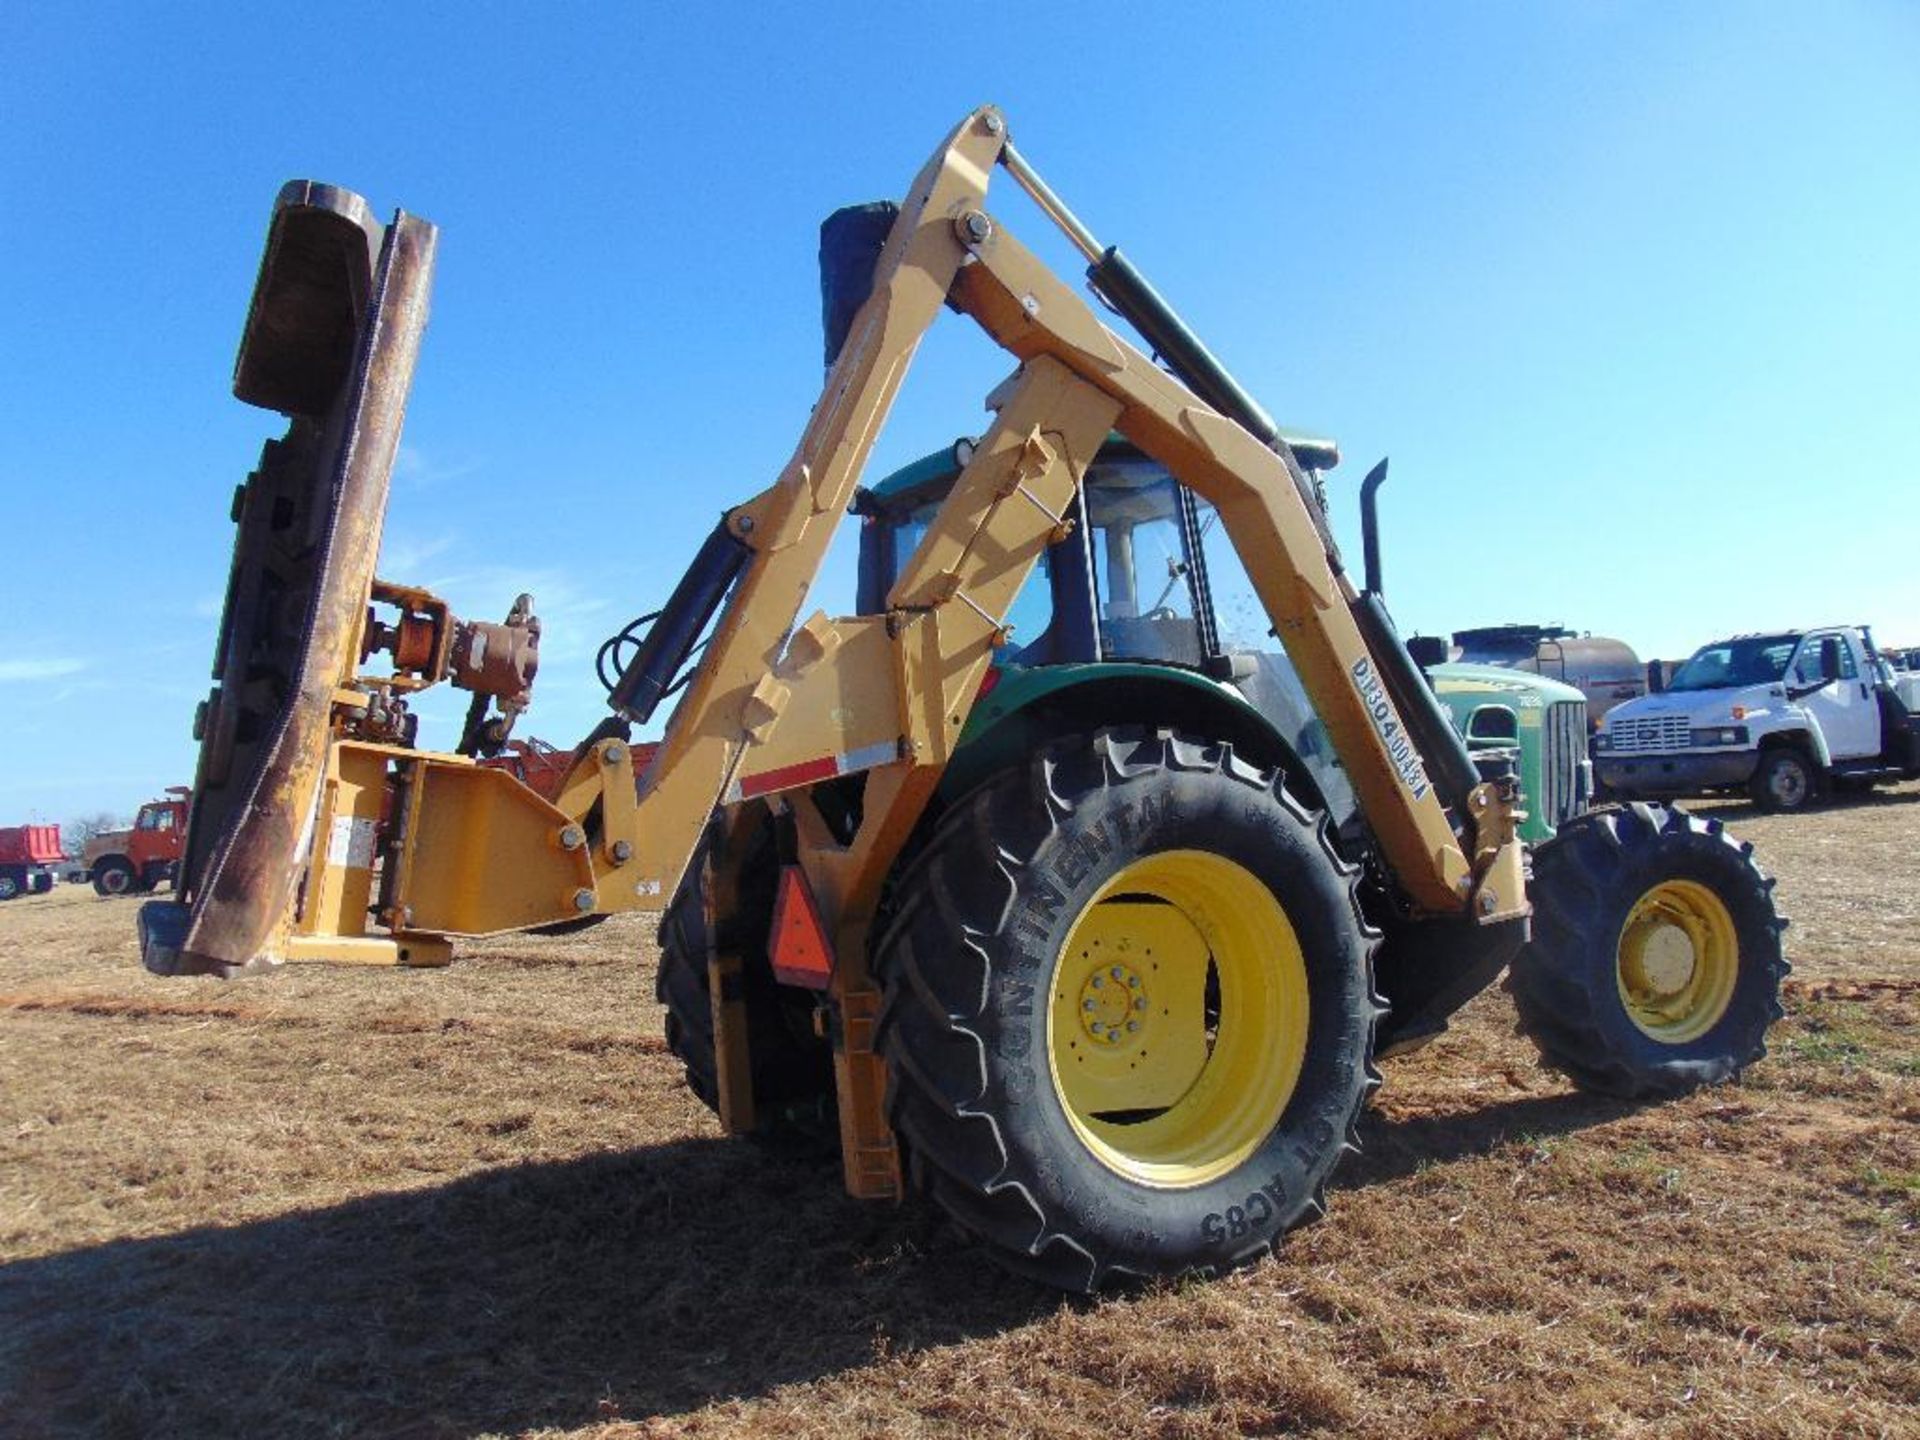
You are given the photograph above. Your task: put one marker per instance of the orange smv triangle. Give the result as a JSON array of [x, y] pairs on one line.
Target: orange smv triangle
[[801, 954]]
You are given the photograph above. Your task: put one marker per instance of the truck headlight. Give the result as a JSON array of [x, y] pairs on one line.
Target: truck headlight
[[1721, 735]]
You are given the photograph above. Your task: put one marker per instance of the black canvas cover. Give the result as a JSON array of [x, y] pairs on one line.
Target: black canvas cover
[[850, 243]]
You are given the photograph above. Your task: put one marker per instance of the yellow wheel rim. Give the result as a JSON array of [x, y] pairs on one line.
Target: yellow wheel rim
[[1177, 1019], [1677, 960]]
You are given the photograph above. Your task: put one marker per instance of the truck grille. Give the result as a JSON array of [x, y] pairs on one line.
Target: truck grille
[[1642, 734], [1563, 754]]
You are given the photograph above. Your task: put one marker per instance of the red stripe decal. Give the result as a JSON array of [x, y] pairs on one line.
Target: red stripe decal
[[788, 776]]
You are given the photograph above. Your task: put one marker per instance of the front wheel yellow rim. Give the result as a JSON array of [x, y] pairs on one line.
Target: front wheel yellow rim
[[1177, 1018], [1676, 961]]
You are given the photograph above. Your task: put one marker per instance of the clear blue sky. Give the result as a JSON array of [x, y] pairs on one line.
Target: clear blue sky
[[1629, 292]]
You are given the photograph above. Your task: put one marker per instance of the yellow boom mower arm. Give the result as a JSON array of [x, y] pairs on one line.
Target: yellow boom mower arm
[[319, 831]]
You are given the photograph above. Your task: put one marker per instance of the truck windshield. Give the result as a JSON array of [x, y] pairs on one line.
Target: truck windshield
[[1756, 660]]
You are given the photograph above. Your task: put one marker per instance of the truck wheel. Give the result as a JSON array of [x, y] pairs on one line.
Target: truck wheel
[[40, 882], [792, 1067], [9, 885], [113, 876], [1655, 964], [1129, 1013], [1785, 782]]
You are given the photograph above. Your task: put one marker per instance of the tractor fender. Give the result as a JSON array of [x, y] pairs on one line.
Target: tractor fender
[[1028, 706]]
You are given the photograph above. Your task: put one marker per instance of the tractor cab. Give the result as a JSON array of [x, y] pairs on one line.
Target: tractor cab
[[1144, 588]]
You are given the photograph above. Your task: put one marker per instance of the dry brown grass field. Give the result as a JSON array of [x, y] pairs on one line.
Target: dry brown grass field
[[480, 1201]]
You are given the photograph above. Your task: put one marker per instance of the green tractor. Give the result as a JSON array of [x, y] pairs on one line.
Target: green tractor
[[1141, 616]]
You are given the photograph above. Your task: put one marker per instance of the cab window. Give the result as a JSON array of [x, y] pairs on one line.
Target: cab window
[[1806, 665], [1031, 613], [1239, 614], [1142, 577], [1029, 618], [1268, 677]]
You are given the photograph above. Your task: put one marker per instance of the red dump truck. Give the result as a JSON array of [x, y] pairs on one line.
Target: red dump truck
[[26, 852]]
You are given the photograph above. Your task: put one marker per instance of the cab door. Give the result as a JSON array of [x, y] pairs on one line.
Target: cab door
[[1845, 708]]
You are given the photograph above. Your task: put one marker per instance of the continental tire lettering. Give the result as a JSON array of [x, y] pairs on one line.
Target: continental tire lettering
[[1074, 864], [1017, 997], [1096, 844], [1040, 911], [1393, 735]]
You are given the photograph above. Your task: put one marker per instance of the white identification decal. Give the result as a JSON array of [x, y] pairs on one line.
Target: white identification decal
[[350, 842], [1406, 760]]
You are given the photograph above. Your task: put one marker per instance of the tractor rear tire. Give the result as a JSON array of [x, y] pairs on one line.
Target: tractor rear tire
[[792, 1067], [1655, 964], [1042, 943], [113, 877]]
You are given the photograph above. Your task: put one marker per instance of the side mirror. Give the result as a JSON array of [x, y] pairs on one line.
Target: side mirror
[[1427, 650], [1830, 658]]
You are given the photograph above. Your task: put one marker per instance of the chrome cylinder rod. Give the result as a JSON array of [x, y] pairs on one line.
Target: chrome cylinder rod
[[1029, 180]]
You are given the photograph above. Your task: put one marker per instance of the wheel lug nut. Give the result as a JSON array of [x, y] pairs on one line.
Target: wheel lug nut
[[1086, 1004], [1141, 1003], [1118, 973], [1133, 1024]]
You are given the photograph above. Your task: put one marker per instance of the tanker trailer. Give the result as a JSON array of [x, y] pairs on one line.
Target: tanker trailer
[[1603, 669]]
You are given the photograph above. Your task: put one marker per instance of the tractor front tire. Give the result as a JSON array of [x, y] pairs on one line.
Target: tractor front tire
[[792, 1068], [1129, 1014], [113, 877], [1656, 962]]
